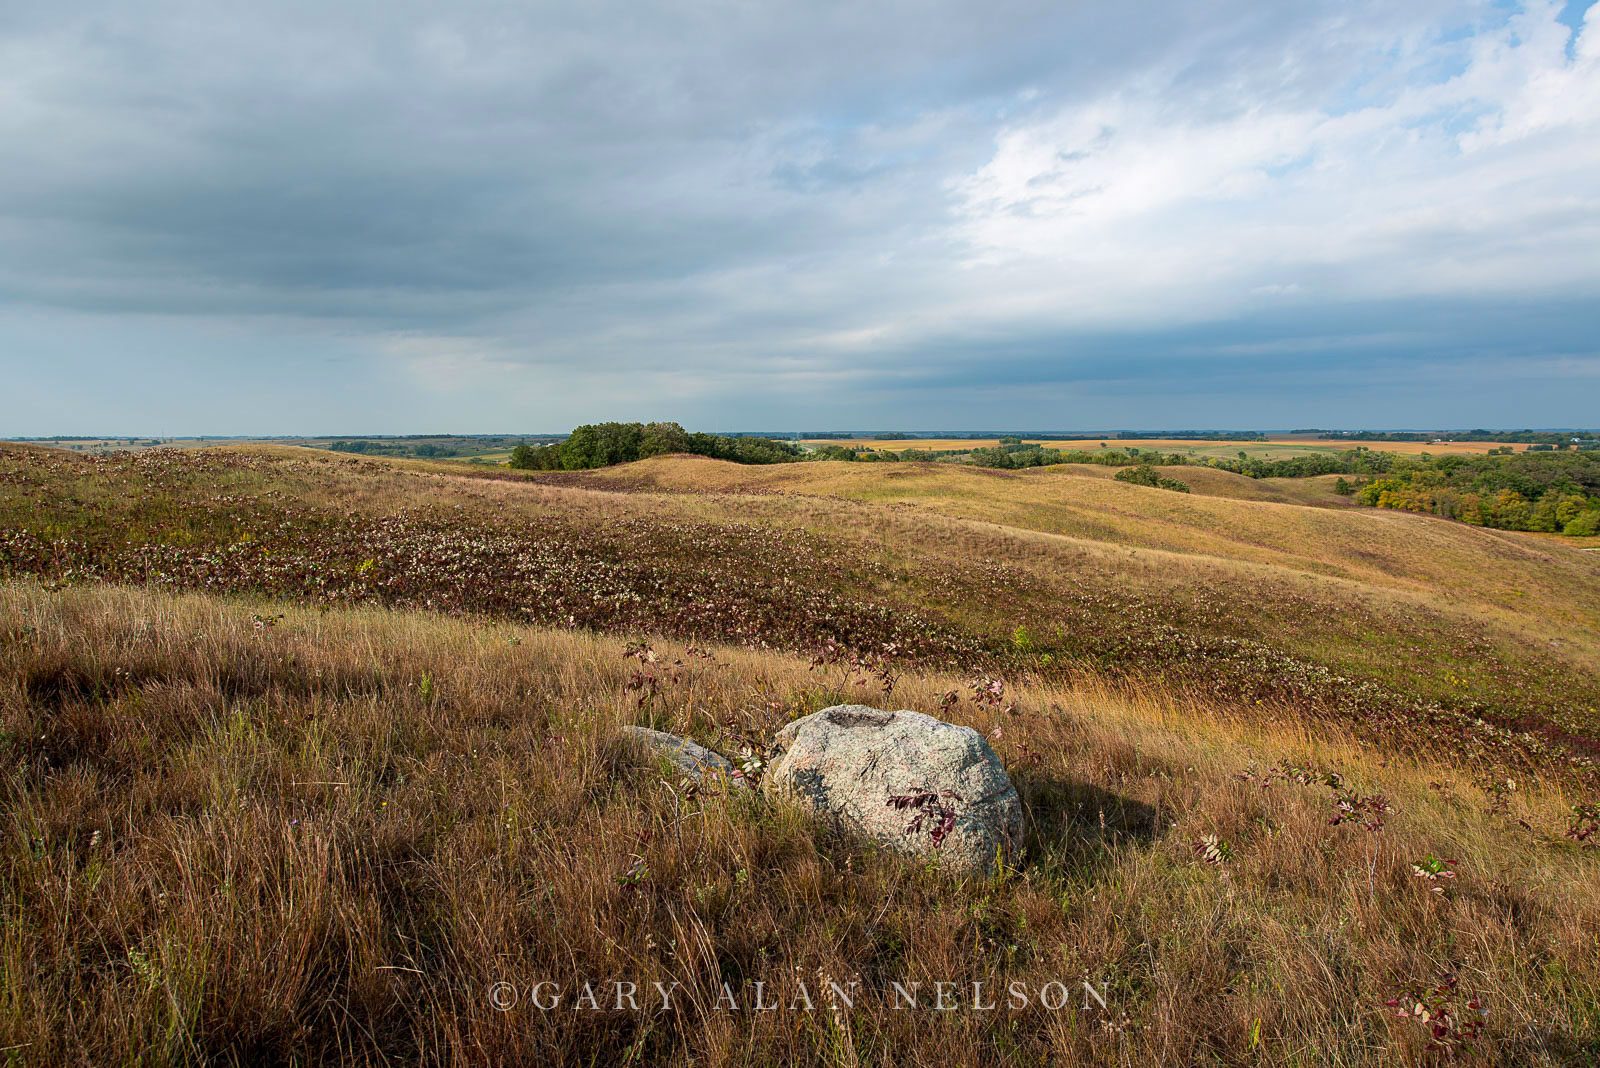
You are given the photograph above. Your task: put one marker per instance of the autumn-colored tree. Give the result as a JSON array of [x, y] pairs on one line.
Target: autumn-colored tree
[[1511, 510]]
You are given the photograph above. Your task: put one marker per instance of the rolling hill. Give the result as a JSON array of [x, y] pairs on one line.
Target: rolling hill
[[306, 752]]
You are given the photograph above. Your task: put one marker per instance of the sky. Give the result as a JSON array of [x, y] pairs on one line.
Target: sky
[[386, 216]]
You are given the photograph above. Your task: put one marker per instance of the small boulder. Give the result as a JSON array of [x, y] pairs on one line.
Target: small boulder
[[689, 757], [903, 779]]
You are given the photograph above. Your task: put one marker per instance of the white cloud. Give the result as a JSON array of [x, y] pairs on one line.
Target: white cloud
[[1132, 205]]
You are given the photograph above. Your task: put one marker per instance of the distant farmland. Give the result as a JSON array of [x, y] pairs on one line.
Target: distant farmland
[[496, 449]]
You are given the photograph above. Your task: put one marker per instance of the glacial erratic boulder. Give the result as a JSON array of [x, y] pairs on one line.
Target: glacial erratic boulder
[[688, 757], [908, 781]]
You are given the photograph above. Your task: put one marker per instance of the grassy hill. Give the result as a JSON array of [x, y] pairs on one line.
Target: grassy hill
[[1273, 449], [1426, 605], [304, 752]]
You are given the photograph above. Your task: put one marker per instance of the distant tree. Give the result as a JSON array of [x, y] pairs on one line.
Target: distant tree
[[1147, 475], [762, 451], [1585, 524], [1569, 508], [1511, 510], [583, 449], [659, 439], [997, 458]]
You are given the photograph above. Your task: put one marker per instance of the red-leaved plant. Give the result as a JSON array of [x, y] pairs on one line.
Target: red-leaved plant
[[1452, 1028], [932, 811]]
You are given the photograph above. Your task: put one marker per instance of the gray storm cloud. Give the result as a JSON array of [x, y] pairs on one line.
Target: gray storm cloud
[[522, 216]]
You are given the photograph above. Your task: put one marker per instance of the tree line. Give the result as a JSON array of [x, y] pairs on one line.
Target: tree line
[[366, 447], [1554, 492], [603, 444], [1555, 438]]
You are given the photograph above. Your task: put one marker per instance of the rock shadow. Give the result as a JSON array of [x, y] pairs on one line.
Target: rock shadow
[[1079, 818], [1559, 1046]]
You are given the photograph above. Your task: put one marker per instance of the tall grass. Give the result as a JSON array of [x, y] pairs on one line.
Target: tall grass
[[254, 834]]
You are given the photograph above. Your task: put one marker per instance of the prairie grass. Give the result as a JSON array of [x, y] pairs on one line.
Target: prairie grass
[[1422, 634], [1270, 449], [1229, 518], [237, 831]]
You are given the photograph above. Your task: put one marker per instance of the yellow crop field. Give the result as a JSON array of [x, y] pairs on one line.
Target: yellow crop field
[[1410, 448]]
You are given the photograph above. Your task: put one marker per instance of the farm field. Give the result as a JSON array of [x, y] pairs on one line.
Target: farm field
[[469, 450], [305, 751], [472, 449], [96, 445]]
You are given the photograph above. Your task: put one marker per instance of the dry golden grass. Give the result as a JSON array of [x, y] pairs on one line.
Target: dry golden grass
[[1093, 568], [1228, 517], [1270, 447], [1229, 521], [326, 838], [1214, 482], [1424, 604]]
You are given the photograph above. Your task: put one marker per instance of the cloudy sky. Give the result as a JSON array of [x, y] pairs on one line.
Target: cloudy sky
[[384, 216]]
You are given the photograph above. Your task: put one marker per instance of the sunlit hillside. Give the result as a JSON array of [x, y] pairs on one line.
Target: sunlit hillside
[[1355, 613], [1272, 448], [1231, 534]]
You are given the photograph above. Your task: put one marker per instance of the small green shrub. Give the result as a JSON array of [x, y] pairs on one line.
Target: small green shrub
[[1147, 475], [1585, 524]]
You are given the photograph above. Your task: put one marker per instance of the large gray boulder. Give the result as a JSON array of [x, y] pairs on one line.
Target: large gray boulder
[[688, 757], [905, 780]]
